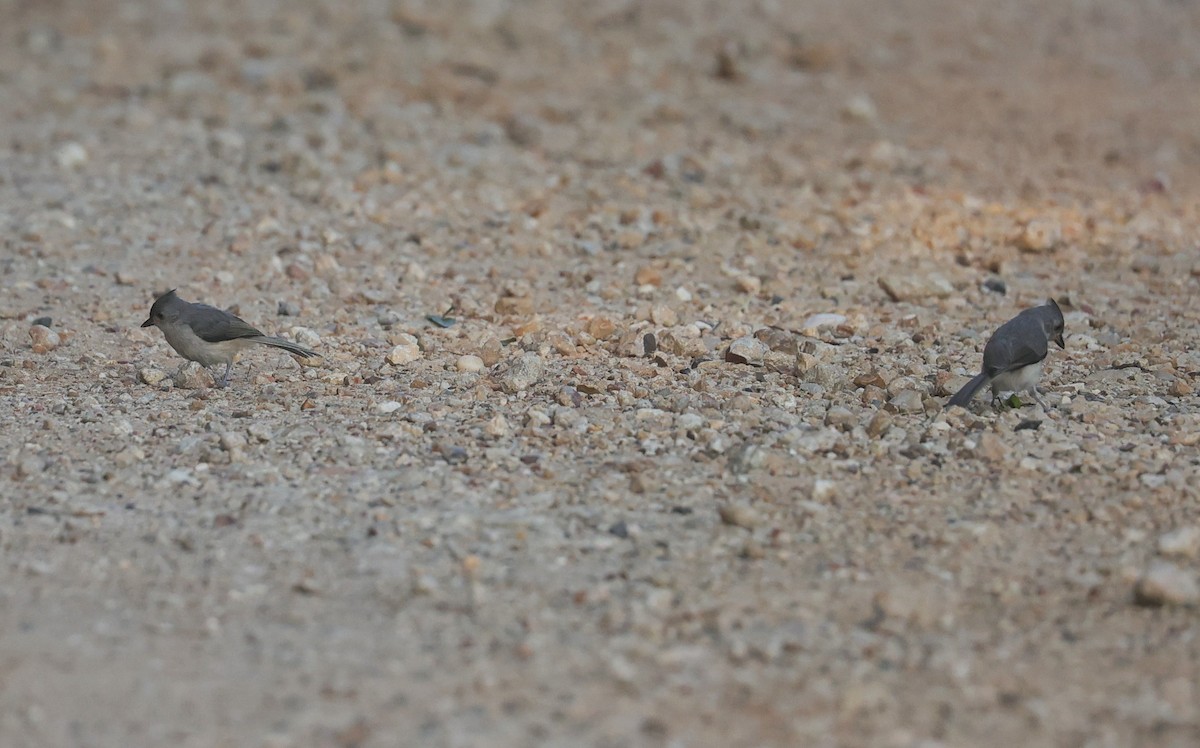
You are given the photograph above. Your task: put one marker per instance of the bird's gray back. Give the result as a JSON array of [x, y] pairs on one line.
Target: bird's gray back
[[1017, 343], [213, 325]]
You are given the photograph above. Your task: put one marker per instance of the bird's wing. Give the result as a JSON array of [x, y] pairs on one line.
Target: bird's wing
[[214, 325], [1018, 343]]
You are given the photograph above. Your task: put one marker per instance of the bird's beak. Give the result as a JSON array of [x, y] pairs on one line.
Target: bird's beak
[[1057, 339], [148, 323]]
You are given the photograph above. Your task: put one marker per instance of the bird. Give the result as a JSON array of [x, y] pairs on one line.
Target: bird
[[1013, 356], [210, 336]]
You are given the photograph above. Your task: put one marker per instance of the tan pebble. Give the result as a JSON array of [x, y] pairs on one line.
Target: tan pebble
[[326, 266], [1040, 235], [151, 376], [738, 515], [749, 284], [991, 447], [1180, 388], [128, 456], [514, 305], [490, 350], [469, 364], [232, 440], [663, 315], [753, 550], [601, 327], [406, 350], [471, 564], [497, 426], [647, 275], [872, 378], [528, 327], [630, 239], [879, 424], [192, 376], [1184, 541], [561, 342], [44, 339], [916, 287]]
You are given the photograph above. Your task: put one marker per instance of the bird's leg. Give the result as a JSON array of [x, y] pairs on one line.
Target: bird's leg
[[1033, 391], [224, 381]]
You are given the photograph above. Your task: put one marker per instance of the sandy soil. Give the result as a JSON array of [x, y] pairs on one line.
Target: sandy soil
[[568, 518]]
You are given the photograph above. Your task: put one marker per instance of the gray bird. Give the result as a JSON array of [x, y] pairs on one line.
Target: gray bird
[[208, 335], [1012, 358]]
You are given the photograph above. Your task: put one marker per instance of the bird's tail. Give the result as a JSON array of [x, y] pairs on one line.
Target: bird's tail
[[287, 345], [963, 396]]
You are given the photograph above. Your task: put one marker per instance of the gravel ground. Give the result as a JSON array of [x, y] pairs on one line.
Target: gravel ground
[[637, 319]]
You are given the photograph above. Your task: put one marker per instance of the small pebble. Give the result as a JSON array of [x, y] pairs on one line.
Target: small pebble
[[152, 376], [601, 327], [523, 373], [1040, 235], [29, 466], [517, 306], [288, 309], [991, 447], [738, 515], [71, 155], [1183, 541], [469, 364], [490, 350], [916, 287], [879, 424], [663, 315], [405, 352], [306, 337], [192, 376], [908, 401], [824, 490], [497, 426], [44, 339], [746, 350], [232, 441], [818, 321], [1165, 583]]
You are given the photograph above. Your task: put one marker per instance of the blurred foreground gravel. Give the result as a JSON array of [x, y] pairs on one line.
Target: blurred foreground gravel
[[637, 320]]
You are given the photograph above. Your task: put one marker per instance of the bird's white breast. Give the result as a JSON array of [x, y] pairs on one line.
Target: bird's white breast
[[1021, 380]]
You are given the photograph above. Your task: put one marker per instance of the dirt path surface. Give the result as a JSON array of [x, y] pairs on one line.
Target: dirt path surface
[[638, 493]]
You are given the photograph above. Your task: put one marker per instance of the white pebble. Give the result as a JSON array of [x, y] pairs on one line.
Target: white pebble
[[405, 352], [152, 376], [1184, 541], [1164, 583], [71, 155], [469, 363]]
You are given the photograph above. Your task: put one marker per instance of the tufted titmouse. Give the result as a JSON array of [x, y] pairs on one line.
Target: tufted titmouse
[[208, 335], [1012, 358]]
